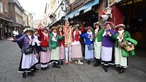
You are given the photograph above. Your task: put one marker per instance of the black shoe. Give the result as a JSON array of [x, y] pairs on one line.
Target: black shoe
[[47, 67], [61, 63], [30, 74], [43, 69], [97, 63], [24, 75], [56, 65], [105, 68], [121, 70], [88, 62]]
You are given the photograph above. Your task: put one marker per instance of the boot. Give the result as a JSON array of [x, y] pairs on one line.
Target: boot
[[43, 69], [97, 63], [30, 74], [88, 62], [34, 69], [24, 75], [62, 62], [121, 70], [105, 68], [55, 65]]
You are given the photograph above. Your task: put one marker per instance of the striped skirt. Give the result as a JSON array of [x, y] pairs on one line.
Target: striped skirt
[[45, 57], [62, 52], [76, 51]]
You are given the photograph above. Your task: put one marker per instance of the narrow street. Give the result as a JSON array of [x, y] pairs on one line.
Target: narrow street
[[10, 57]]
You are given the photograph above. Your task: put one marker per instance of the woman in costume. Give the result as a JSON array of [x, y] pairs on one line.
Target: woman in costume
[[28, 59], [88, 40], [76, 45], [54, 47]]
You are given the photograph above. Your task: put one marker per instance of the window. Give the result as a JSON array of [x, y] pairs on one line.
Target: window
[[1, 7]]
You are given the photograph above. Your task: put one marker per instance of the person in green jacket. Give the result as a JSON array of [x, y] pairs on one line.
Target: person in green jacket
[[120, 36], [54, 47], [98, 32]]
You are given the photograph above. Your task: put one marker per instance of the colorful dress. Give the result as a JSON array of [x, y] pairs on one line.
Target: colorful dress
[[54, 46], [97, 44], [88, 45], [76, 46], [68, 41], [61, 47], [44, 55], [107, 46], [29, 60]]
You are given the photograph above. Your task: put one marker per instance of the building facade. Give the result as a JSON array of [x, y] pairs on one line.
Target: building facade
[[4, 20]]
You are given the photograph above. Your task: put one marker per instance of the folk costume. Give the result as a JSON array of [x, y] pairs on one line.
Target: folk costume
[[54, 47], [88, 41], [45, 52], [76, 46], [28, 59], [107, 47], [120, 53], [68, 41], [97, 43], [61, 48]]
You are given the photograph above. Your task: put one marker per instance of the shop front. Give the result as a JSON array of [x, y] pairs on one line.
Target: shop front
[[134, 17]]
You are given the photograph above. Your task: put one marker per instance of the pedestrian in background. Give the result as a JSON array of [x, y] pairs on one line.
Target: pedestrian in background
[[98, 32], [54, 47], [88, 40], [28, 59], [76, 45], [61, 45], [45, 52], [107, 45]]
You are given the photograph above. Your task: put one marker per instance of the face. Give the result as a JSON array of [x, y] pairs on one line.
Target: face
[[36, 32], [108, 26], [60, 29], [29, 33], [45, 31], [54, 31], [89, 30], [120, 29], [67, 23], [96, 26]]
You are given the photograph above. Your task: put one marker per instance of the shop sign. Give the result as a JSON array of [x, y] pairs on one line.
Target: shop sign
[[132, 1], [79, 3]]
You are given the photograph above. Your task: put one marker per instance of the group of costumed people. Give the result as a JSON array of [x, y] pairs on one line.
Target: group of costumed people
[[63, 45]]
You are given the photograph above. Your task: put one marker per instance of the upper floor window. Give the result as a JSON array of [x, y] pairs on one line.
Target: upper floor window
[[1, 6]]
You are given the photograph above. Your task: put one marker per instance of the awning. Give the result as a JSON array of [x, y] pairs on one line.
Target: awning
[[86, 8], [6, 19]]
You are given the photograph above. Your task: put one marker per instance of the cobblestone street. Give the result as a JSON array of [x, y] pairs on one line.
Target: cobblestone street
[[10, 57]]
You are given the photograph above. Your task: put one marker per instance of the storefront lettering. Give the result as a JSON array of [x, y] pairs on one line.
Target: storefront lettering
[[132, 1]]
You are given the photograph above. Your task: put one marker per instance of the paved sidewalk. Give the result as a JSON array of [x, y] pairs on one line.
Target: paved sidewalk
[[10, 57]]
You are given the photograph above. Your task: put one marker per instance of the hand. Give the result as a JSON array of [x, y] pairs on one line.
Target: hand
[[108, 33], [10, 39]]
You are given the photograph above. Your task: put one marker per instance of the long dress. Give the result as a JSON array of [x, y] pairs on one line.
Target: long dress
[[88, 42], [44, 55], [107, 47], [61, 47], [76, 46], [27, 61]]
